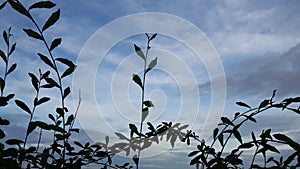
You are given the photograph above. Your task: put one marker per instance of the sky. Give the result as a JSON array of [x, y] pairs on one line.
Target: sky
[[211, 54]]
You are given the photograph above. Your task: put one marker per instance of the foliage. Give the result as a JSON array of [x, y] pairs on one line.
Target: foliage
[[64, 153]]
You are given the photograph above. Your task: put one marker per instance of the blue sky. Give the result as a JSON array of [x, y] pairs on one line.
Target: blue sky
[[218, 52]]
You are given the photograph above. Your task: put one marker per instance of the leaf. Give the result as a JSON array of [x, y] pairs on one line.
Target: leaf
[[46, 60], [145, 113], [139, 52], [51, 82], [152, 64], [148, 103], [137, 80], [246, 145], [2, 84], [6, 38], [55, 43], [288, 140], [70, 120], [12, 49], [263, 104], [67, 91], [23, 106], [216, 131], [51, 117], [69, 71], [135, 159], [19, 8], [121, 136], [221, 139], [243, 104], [14, 142], [133, 129], [33, 34], [34, 81], [3, 56], [11, 69], [3, 5], [225, 120], [153, 36], [31, 127], [66, 62], [42, 4], [238, 136], [52, 19], [43, 100]]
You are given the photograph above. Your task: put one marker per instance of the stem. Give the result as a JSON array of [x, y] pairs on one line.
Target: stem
[[143, 97]]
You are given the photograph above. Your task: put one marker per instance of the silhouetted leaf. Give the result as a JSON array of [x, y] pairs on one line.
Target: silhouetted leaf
[[52, 19], [31, 127], [51, 117], [133, 129], [69, 71], [43, 100], [225, 120], [12, 49], [251, 119], [145, 113], [238, 136], [33, 34], [11, 69], [137, 80], [34, 81], [152, 64], [46, 60], [243, 104], [42, 4], [2, 84], [246, 145], [221, 139], [66, 62], [216, 131], [153, 36], [135, 159], [23, 106], [67, 91], [3, 5], [14, 142], [148, 103], [288, 140], [139, 52], [70, 120], [19, 7], [60, 111], [4, 122], [3, 56], [263, 104], [55, 43]]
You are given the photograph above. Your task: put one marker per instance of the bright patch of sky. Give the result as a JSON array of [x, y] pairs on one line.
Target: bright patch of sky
[[246, 49]]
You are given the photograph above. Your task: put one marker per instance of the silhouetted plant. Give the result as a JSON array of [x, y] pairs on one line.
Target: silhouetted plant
[[64, 153]]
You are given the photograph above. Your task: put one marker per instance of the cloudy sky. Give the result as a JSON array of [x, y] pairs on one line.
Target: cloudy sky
[[210, 55]]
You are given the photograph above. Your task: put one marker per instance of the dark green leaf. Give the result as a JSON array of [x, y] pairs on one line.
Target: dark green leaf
[[135, 159], [42, 4], [263, 104], [67, 91], [225, 120], [55, 43], [11, 69], [3, 56], [139, 52], [148, 103], [43, 100], [12, 49], [66, 62], [243, 104], [3, 5], [16, 5], [33, 34], [145, 113], [52, 19], [152, 64], [68, 71], [137, 80], [46, 60], [23, 106]]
